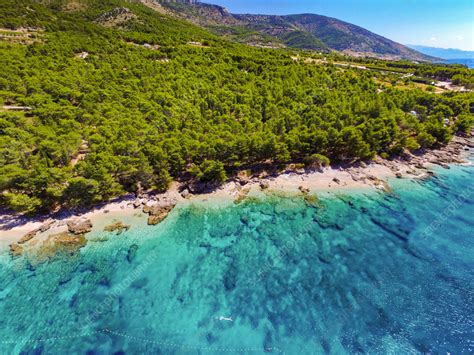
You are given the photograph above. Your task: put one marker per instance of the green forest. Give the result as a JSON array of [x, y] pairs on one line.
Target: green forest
[[111, 107]]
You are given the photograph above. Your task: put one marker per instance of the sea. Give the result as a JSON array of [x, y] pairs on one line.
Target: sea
[[341, 273], [469, 62]]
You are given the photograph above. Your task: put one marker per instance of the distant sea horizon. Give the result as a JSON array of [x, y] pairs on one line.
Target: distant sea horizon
[[447, 55], [469, 62]]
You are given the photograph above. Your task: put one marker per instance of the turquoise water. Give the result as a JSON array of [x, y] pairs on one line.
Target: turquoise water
[[360, 272]]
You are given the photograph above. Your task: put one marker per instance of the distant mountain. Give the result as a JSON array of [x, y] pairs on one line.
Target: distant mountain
[[305, 31], [352, 39], [449, 53]]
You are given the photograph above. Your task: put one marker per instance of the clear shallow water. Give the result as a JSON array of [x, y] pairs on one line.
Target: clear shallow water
[[357, 273]]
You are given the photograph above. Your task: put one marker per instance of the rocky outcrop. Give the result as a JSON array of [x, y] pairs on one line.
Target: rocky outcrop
[[116, 17], [380, 184], [264, 185], [30, 235], [16, 249], [146, 209], [46, 226], [312, 201], [242, 195], [244, 177], [137, 203], [159, 211], [185, 193], [65, 244], [304, 190], [79, 226], [157, 215], [419, 163]]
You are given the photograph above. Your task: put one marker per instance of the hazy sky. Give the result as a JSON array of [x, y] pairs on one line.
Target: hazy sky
[[436, 23]]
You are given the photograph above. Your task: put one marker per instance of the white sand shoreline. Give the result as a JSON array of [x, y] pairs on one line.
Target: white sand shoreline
[[364, 177]]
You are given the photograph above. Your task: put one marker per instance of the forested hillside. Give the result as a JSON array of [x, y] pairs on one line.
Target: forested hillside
[[103, 97]]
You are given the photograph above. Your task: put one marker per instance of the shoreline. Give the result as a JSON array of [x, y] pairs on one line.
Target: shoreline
[[373, 176]]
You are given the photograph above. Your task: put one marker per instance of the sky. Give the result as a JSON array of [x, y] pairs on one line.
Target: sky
[[434, 23]]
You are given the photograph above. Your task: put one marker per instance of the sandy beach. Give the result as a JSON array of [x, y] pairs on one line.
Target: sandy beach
[[369, 176]]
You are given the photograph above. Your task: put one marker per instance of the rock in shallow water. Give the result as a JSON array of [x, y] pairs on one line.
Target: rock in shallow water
[[27, 237], [60, 244], [154, 219], [137, 203], [79, 226], [30, 235], [15, 249], [46, 226], [158, 213], [118, 227], [264, 185]]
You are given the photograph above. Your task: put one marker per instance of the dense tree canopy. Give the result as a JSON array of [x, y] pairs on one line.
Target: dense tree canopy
[[130, 115]]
